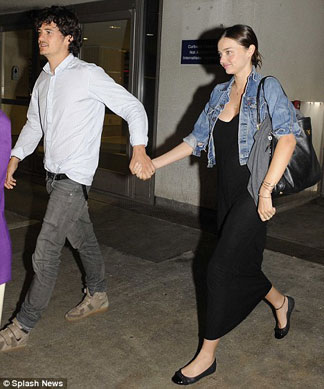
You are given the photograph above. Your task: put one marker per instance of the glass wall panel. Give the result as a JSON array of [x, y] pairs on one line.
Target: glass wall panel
[[17, 115], [17, 81], [107, 44], [17, 60]]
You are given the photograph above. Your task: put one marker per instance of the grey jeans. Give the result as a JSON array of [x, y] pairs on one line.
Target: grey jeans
[[67, 216]]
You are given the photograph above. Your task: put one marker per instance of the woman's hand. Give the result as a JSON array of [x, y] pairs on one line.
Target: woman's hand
[[265, 207], [283, 152]]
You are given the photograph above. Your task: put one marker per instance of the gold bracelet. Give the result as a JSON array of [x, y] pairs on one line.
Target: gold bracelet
[[264, 197], [268, 187], [268, 184]]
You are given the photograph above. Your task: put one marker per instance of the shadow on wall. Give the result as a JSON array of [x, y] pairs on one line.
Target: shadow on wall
[[207, 178]]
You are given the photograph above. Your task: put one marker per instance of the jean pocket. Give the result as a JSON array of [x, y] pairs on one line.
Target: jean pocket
[[49, 186]]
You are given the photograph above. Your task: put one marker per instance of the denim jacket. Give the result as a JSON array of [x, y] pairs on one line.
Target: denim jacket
[[281, 110]]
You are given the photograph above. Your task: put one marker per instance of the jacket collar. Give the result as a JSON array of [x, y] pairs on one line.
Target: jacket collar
[[253, 76]]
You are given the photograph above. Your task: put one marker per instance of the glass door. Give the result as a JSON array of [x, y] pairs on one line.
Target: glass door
[[108, 45]]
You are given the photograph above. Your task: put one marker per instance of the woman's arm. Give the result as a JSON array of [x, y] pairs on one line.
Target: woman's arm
[[281, 157], [285, 126], [179, 152]]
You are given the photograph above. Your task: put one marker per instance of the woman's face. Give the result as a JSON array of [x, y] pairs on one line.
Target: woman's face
[[234, 57]]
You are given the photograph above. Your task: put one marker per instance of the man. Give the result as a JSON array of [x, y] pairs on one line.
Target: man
[[67, 107]]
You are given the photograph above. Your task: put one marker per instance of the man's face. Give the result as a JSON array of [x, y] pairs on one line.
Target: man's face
[[52, 43]]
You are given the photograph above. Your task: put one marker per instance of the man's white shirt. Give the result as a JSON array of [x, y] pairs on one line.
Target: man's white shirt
[[68, 108]]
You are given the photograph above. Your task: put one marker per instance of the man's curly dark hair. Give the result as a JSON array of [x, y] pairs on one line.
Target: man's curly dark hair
[[66, 21]]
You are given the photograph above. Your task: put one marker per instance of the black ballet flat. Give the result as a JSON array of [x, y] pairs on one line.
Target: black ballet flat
[[181, 379], [282, 332]]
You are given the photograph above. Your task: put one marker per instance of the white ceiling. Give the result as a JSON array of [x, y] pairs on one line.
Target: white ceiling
[[10, 6]]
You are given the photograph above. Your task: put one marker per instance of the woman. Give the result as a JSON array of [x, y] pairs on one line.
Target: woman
[[235, 282]]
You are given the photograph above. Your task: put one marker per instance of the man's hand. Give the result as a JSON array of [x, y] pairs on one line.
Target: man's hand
[[141, 163], [10, 182]]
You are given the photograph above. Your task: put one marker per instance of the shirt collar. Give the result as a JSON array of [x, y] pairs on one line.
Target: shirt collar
[[63, 65]]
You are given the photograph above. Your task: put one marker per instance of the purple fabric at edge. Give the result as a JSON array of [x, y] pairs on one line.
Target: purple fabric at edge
[[5, 243]]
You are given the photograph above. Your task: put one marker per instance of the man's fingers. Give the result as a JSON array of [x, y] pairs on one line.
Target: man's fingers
[[10, 182], [144, 175], [148, 168], [141, 165], [9, 185], [137, 168], [143, 172], [133, 165]]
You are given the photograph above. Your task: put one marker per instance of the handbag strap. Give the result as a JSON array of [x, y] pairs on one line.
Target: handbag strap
[[261, 86]]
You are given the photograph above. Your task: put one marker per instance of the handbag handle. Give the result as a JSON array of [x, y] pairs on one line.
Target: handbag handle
[[261, 85]]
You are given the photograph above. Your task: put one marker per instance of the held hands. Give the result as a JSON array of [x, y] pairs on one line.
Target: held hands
[[141, 164], [10, 182], [265, 209]]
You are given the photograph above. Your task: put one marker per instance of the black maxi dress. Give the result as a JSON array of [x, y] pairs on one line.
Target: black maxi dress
[[235, 281]]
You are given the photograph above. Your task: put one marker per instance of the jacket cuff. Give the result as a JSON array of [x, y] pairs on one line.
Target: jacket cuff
[[278, 133], [192, 142]]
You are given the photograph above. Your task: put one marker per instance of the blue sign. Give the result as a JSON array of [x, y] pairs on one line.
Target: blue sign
[[200, 51]]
